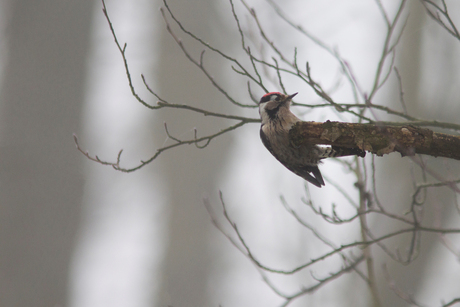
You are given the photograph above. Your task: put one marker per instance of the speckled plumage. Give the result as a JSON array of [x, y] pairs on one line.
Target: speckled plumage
[[277, 120]]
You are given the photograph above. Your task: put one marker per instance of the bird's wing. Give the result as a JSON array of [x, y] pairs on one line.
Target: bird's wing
[[302, 171]]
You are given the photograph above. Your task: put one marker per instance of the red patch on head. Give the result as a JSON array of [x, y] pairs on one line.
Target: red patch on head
[[272, 93]]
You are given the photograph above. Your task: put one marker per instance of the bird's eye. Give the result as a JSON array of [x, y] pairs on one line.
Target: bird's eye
[[272, 96]]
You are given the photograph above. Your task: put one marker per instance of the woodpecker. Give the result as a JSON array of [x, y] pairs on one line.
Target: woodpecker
[[277, 120]]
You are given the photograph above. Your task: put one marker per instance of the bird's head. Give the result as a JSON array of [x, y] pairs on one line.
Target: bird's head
[[271, 104]]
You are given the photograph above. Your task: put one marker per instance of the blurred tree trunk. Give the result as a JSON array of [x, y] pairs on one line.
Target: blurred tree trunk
[[412, 65], [41, 185], [396, 167], [190, 173]]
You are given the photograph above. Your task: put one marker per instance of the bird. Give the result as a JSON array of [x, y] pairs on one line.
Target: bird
[[277, 119]]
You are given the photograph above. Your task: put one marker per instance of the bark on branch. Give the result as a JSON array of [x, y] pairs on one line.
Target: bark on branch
[[377, 139]]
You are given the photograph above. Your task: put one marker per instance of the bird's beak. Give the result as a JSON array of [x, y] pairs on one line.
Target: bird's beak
[[292, 96]]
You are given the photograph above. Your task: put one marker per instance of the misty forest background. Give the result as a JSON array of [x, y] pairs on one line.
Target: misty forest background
[[77, 233]]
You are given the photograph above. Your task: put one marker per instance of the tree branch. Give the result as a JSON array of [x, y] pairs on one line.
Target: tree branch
[[377, 139]]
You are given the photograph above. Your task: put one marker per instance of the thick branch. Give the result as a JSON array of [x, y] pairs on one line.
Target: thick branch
[[377, 139]]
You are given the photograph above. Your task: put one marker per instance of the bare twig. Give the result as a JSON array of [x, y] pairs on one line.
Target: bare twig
[[322, 282], [438, 14], [125, 60], [116, 165], [452, 302], [391, 283], [240, 67], [387, 50], [367, 253]]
